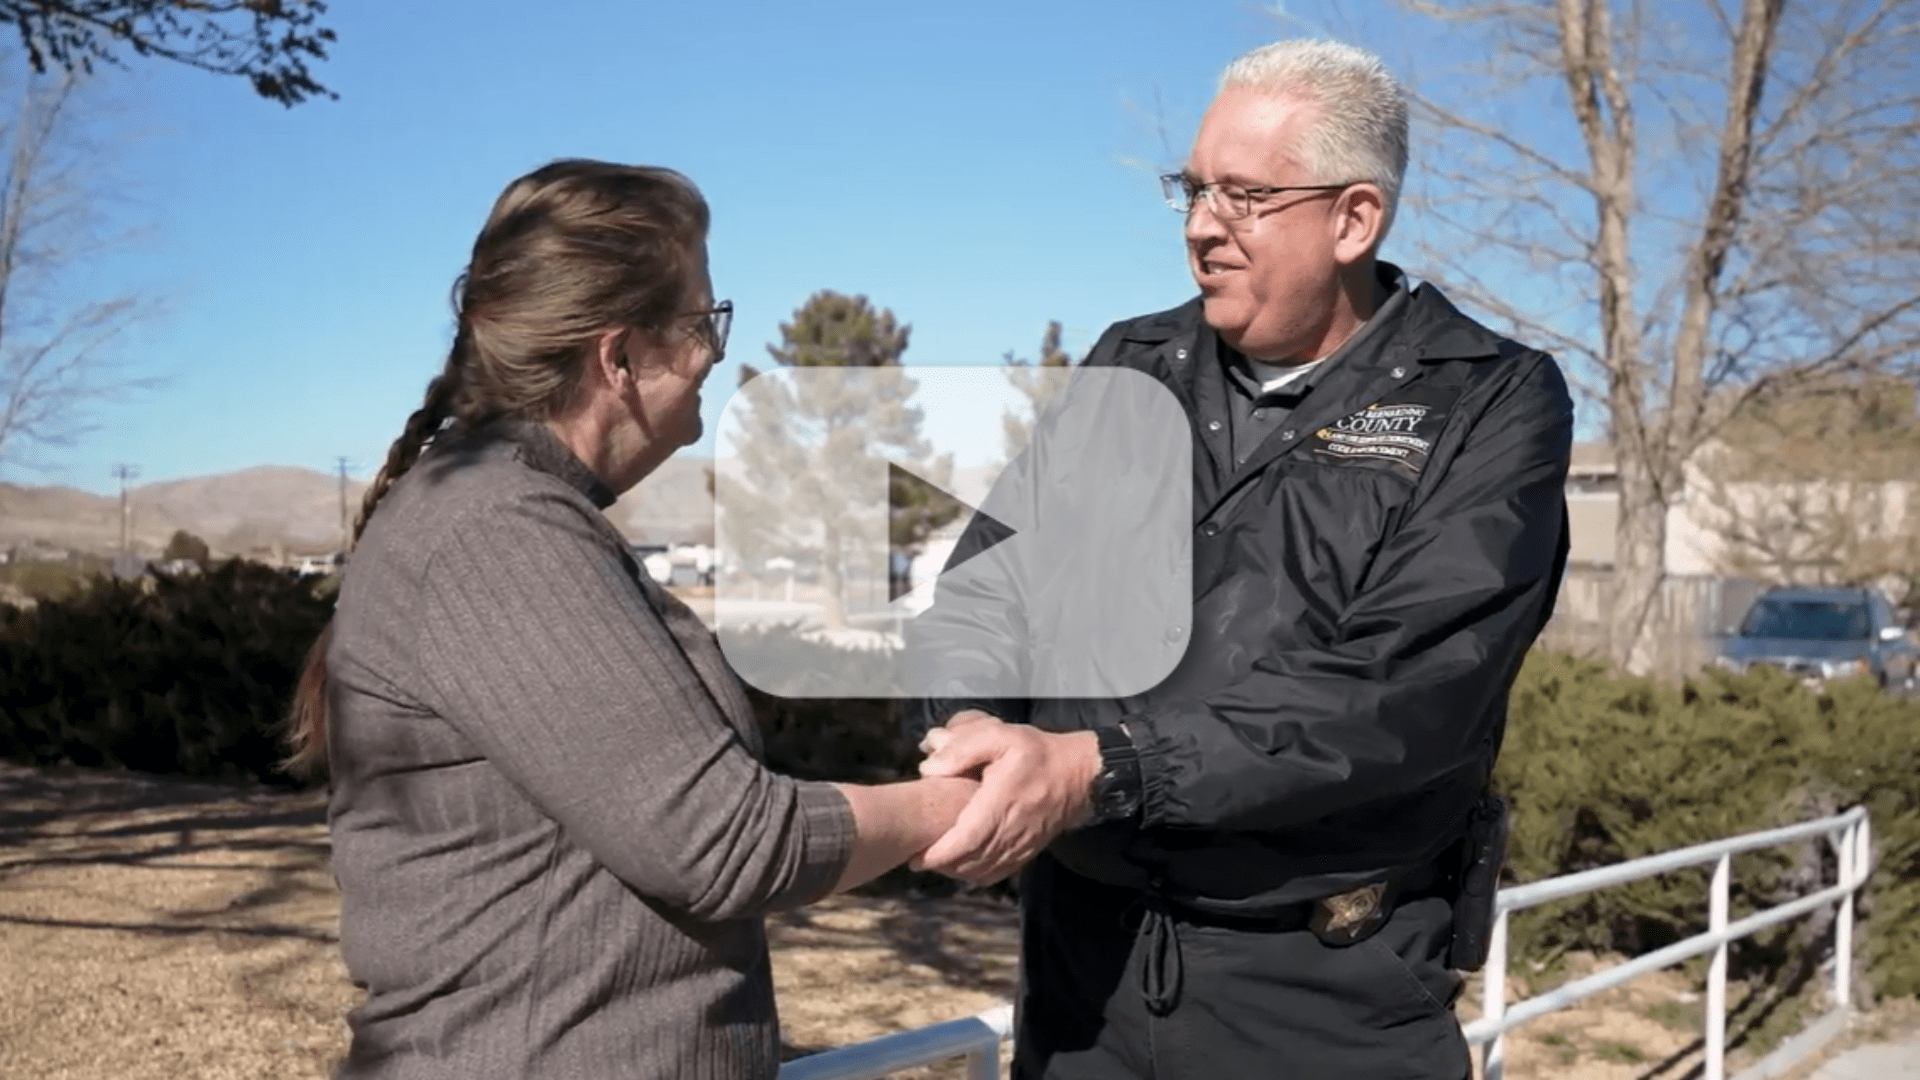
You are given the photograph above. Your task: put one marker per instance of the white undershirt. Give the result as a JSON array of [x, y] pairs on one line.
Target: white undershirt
[[1277, 376]]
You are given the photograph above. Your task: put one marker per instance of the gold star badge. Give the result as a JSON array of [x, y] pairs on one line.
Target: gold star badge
[[1350, 916]]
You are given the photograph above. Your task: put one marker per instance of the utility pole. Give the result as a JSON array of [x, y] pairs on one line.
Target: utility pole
[[125, 473], [344, 520]]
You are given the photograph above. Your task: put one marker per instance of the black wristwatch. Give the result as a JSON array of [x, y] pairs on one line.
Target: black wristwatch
[[1115, 793]]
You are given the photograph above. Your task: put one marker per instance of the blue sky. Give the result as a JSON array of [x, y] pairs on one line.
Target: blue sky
[[978, 168]]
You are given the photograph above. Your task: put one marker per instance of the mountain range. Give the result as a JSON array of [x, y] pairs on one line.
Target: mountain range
[[292, 509]]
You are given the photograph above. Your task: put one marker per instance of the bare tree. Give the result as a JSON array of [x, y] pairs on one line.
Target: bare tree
[[1698, 207], [55, 352], [266, 42]]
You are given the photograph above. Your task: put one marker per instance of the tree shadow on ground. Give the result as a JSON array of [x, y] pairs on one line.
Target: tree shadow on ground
[[57, 824], [35, 796], [970, 942], [1746, 1025], [184, 917], [873, 964]]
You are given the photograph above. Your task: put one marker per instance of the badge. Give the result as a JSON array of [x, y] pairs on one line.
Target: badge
[[1350, 916], [1398, 435]]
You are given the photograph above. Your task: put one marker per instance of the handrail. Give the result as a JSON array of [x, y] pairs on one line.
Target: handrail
[[1850, 832], [978, 1038], [1533, 894], [1645, 964]]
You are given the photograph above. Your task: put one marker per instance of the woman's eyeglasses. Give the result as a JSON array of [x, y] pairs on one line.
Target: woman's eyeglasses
[[716, 322]]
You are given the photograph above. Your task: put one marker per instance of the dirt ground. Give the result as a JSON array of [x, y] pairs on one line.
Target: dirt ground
[[159, 929]]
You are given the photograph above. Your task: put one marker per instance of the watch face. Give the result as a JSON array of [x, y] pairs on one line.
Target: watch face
[[1111, 799]]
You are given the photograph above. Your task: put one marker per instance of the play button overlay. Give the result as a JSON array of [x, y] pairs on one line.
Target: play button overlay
[[907, 494], [953, 532]]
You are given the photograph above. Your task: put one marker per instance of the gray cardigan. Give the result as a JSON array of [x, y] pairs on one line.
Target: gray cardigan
[[552, 833]]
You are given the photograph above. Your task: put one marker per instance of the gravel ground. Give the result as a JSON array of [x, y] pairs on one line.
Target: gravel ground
[[168, 930], [156, 929]]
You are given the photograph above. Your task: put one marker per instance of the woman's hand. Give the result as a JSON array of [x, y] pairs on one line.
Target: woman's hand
[[947, 799]]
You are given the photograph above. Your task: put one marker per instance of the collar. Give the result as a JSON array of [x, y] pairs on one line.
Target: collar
[[1434, 330], [540, 449], [1432, 327], [1378, 328]]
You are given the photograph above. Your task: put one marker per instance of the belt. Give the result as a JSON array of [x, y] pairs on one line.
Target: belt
[[1344, 919]]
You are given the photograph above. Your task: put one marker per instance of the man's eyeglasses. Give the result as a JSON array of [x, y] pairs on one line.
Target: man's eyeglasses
[[715, 322], [1229, 202]]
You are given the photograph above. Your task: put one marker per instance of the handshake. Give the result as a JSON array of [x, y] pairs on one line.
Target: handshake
[[1010, 790]]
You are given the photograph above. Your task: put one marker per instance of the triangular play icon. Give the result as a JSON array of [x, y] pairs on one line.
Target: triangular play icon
[[909, 496]]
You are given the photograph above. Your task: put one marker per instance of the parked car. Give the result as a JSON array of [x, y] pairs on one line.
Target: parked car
[[315, 565], [1822, 633], [653, 559]]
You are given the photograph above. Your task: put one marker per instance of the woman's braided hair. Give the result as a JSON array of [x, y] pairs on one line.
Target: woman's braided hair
[[570, 250]]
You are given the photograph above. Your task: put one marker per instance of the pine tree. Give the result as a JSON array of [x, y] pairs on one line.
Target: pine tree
[[1038, 383], [799, 440]]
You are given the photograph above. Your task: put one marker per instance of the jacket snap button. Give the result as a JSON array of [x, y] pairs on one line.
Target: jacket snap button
[[1180, 354], [1174, 633], [1213, 425], [1287, 434], [1210, 529], [1399, 373]]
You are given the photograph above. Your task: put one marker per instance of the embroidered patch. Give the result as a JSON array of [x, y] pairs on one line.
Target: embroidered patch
[[1400, 435]]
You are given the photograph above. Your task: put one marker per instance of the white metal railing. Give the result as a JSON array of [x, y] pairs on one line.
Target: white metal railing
[[978, 1038], [1851, 838]]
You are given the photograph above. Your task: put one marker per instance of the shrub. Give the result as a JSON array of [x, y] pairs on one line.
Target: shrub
[[191, 676], [1602, 768], [53, 579], [186, 675], [853, 739]]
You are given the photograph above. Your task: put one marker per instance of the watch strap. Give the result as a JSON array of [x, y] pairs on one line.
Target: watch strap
[[1117, 789]]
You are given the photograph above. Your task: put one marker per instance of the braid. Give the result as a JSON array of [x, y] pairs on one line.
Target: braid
[[443, 393], [307, 717], [570, 250]]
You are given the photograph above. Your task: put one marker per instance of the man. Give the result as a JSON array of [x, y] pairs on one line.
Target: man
[[1266, 865]]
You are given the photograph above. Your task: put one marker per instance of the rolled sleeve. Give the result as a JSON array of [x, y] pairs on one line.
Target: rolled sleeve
[[827, 821]]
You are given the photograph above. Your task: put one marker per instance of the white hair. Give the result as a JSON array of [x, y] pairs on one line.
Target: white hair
[[1360, 125]]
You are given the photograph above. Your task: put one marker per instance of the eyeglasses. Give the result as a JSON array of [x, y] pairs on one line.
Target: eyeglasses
[[1229, 202], [715, 322]]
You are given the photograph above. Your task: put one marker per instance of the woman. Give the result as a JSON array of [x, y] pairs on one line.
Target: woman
[[552, 834]]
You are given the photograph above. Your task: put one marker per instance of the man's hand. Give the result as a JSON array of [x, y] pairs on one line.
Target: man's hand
[[1033, 787], [940, 736]]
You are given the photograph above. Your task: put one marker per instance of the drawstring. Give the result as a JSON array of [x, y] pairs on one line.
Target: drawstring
[[1161, 970]]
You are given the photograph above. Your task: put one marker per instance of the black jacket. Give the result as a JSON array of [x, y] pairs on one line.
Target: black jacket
[[1365, 588]]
